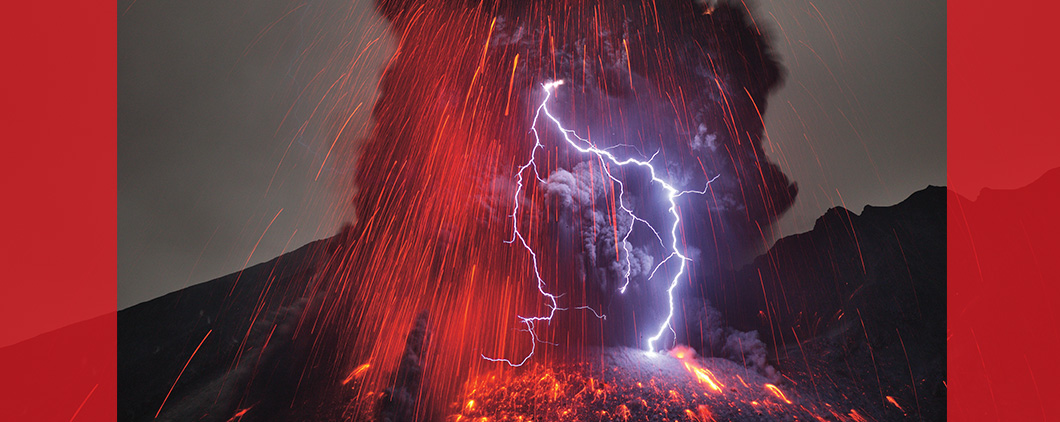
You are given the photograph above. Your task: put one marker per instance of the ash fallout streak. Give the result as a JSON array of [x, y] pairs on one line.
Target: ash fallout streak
[[587, 147]]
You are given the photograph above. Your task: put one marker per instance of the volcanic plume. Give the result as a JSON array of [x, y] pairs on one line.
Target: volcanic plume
[[436, 180], [849, 343], [679, 80]]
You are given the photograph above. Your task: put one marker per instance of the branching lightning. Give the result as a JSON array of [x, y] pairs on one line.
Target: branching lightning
[[604, 155]]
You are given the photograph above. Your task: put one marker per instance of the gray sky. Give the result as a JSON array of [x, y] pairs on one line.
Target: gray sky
[[204, 165], [862, 116]]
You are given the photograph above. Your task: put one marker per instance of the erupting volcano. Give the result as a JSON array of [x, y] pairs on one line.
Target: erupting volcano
[[557, 214]]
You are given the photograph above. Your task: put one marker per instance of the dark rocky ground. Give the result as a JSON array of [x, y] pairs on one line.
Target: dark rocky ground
[[635, 385], [851, 313], [858, 304]]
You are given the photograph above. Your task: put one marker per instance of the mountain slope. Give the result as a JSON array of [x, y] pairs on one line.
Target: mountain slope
[[858, 304], [852, 312]]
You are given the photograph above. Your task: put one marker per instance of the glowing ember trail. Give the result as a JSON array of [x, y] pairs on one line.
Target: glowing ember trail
[[357, 373], [895, 403], [776, 392], [703, 375], [159, 412], [623, 384], [585, 146]]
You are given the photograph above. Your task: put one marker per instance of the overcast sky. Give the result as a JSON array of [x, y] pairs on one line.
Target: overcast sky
[[862, 116], [209, 180]]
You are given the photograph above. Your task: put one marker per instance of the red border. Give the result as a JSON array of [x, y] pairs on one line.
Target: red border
[[1004, 246], [58, 184]]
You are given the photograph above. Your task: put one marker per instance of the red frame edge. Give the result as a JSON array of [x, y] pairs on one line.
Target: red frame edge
[[1004, 243], [58, 179], [59, 176]]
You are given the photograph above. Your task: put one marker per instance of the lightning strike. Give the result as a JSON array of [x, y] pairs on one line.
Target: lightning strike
[[603, 155]]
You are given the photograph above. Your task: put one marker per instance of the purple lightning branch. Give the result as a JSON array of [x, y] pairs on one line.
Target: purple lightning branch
[[583, 145]]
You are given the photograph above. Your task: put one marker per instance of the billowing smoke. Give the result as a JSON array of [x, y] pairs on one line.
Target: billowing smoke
[[678, 80], [398, 402], [686, 83], [745, 347], [583, 194], [707, 332]]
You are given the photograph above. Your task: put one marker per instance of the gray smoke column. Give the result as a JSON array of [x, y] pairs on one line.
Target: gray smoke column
[[693, 93], [399, 402]]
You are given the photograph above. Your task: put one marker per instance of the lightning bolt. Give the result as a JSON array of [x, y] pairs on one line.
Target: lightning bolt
[[604, 155]]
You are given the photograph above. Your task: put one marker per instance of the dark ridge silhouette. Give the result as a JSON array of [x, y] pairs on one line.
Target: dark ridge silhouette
[[843, 331], [232, 317]]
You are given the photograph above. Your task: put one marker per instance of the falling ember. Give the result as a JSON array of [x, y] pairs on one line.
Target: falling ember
[[511, 84], [239, 415], [704, 414], [704, 376], [776, 392], [857, 417], [687, 357], [895, 403], [357, 373], [182, 372]]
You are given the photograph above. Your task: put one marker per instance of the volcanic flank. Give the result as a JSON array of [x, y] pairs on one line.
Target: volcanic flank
[[257, 358]]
